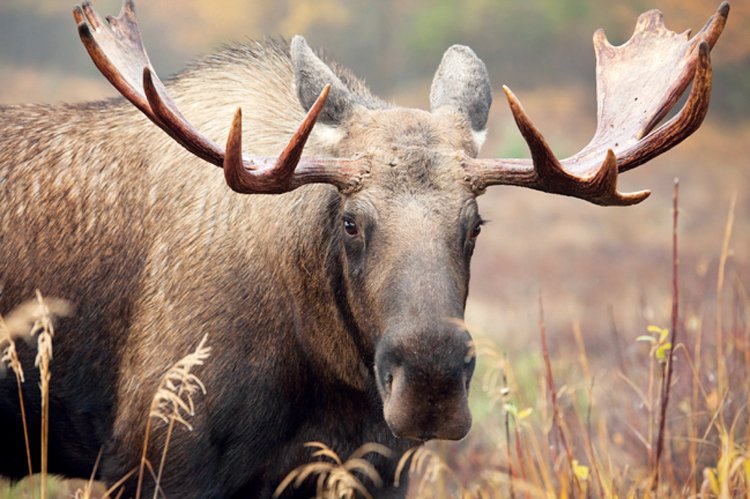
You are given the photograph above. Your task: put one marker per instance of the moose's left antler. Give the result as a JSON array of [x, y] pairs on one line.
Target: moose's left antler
[[637, 84]]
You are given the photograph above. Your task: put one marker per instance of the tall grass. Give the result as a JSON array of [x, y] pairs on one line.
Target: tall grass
[[30, 320], [173, 404]]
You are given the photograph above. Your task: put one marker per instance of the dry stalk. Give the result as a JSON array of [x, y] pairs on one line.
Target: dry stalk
[[556, 415], [43, 329], [10, 357], [173, 403], [721, 368], [33, 318], [668, 368], [509, 456], [335, 478]]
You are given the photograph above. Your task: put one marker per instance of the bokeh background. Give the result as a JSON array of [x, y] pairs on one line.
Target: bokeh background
[[605, 270]]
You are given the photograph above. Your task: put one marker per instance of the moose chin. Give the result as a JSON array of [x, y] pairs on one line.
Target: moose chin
[[329, 263]]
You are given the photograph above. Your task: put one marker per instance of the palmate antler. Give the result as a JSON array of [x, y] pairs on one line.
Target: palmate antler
[[117, 50], [637, 84]]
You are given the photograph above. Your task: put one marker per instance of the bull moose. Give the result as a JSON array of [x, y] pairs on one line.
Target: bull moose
[[332, 280]]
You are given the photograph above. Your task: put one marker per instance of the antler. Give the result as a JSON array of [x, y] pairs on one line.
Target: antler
[[637, 84], [117, 50]]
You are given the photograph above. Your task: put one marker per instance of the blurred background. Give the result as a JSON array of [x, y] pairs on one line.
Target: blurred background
[[603, 271]]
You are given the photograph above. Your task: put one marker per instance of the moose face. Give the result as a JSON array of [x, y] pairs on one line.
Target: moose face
[[407, 238]]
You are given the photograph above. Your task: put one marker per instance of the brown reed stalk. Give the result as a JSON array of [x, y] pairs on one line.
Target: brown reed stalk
[[44, 330], [556, 414], [506, 391], [667, 379], [34, 318]]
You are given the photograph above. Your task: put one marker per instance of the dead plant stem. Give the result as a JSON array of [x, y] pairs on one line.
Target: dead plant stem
[[667, 379]]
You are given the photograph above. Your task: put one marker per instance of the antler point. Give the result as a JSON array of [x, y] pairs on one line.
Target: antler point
[[724, 9], [237, 117], [632, 198], [77, 14]]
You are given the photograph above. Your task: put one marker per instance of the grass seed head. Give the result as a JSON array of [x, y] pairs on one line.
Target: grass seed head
[[174, 397]]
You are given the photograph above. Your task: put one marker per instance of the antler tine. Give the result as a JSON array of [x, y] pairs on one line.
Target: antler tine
[[101, 41], [117, 50], [279, 176], [116, 47], [637, 84]]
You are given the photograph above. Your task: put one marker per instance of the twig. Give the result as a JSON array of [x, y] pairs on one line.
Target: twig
[[11, 356], [667, 381]]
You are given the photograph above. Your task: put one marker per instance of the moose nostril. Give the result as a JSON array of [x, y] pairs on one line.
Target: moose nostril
[[388, 380]]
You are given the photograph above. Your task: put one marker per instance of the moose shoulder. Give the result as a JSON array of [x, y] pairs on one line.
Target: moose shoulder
[[332, 281]]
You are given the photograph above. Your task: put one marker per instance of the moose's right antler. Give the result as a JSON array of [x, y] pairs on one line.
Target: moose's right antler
[[117, 50], [637, 84]]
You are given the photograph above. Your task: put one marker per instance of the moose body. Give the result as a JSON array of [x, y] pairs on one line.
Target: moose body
[[334, 311]]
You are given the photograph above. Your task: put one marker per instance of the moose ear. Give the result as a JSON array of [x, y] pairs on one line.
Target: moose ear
[[311, 75], [463, 84]]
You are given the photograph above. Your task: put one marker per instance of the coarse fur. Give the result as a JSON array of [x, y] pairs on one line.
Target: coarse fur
[[315, 335]]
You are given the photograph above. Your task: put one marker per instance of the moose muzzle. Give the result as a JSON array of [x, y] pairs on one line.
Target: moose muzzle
[[423, 380]]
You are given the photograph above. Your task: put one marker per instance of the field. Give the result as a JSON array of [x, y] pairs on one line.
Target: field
[[578, 318]]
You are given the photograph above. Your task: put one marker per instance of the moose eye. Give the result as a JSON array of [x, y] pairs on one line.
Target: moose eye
[[350, 227], [476, 231]]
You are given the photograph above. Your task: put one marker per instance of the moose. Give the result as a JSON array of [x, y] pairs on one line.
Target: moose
[[331, 276]]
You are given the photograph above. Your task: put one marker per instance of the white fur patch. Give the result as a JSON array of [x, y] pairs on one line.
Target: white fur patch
[[327, 135], [479, 138]]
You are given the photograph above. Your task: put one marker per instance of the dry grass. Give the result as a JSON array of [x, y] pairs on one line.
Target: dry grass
[[609, 432], [607, 385], [34, 318], [336, 478], [172, 403]]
